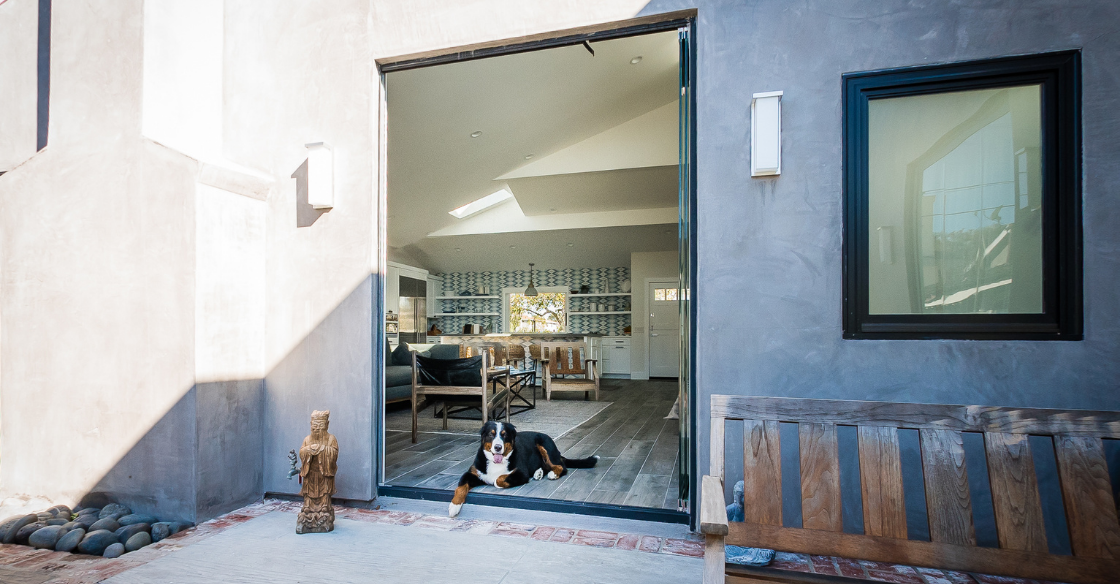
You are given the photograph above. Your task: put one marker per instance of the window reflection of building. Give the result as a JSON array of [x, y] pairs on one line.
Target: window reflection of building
[[974, 240]]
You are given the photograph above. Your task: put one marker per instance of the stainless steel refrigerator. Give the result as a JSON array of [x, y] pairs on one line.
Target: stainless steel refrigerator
[[413, 310]]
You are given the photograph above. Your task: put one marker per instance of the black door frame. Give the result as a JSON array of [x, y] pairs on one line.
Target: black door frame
[[612, 30]]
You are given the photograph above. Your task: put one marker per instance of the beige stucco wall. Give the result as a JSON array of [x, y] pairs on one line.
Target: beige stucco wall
[[19, 22], [171, 310]]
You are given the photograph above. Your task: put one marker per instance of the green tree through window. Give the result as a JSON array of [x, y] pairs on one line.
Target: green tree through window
[[541, 313]]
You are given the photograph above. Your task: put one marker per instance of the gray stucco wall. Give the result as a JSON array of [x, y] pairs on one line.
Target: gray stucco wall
[[229, 417], [768, 293]]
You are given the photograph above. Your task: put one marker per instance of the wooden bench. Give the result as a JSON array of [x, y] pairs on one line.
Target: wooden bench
[[1089, 506]]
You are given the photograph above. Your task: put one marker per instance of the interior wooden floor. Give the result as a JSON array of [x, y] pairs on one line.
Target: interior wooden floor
[[638, 452]]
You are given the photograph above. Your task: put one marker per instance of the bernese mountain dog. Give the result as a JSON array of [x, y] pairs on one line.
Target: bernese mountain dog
[[508, 458]]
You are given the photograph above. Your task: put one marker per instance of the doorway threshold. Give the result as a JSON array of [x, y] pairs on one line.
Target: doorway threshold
[[539, 504]]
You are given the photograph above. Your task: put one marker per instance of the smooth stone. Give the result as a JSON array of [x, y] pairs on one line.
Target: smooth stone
[[137, 518], [70, 541], [44, 516], [61, 511], [130, 530], [11, 526], [138, 541], [160, 531], [113, 508], [57, 521], [95, 542], [108, 524], [89, 510], [87, 520], [115, 550], [26, 531], [72, 525], [46, 538]]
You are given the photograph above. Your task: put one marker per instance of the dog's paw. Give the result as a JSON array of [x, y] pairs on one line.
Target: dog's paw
[[453, 510], [552, 476], [537, 475]]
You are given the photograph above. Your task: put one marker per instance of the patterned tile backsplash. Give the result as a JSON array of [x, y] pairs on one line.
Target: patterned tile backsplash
[[597, 279]]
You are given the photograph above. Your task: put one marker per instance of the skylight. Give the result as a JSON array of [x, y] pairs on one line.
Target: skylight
[[481, 204]]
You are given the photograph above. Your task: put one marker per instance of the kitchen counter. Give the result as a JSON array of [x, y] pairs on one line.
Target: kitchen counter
[[526, 335]]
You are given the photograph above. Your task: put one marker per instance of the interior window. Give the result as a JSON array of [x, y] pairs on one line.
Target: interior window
[[544, 312]]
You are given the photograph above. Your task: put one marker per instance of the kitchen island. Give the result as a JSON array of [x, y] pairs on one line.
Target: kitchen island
[[613, 352]]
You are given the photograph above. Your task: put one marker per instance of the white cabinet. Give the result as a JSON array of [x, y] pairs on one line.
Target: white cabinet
[[616, 356], [392, 289], [393, 273], [435, 288]]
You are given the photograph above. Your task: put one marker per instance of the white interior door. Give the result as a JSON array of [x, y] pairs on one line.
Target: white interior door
[[664, 329]]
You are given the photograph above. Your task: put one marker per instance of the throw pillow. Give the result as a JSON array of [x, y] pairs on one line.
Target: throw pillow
[[401, 355]]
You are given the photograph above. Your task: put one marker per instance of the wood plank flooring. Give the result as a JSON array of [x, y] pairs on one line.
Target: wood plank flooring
[[638, 452]]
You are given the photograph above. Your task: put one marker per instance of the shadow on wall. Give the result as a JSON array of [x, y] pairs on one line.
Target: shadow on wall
[[306, 214], [208, 454]]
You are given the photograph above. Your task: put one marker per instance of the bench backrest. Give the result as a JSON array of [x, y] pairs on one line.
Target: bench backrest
[[1089, 506]]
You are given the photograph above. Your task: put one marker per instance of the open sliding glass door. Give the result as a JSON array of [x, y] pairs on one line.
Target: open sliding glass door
[[686, 179]]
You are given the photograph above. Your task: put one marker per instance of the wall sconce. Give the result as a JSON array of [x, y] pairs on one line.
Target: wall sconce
[[766, 134], [320, 175]]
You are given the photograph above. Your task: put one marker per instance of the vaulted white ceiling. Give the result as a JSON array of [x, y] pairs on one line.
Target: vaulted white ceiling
[[583, 142]]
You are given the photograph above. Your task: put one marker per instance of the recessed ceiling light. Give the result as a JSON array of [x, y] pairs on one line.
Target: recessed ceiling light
[[636, 60], [476, 133], [458, 249], [513, 247], [481, 204], [571, 244], [528, 156]]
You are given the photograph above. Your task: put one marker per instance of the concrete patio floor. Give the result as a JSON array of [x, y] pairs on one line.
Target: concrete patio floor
[[400, 540], [266, 549]]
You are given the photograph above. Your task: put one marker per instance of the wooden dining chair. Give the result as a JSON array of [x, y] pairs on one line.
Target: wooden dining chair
[[569, 367], [446, 380]]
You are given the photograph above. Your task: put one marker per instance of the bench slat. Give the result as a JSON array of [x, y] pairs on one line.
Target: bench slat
[[715, 449], [909, 415], [944, 556], [1015, 498], [1090, 511], [880, 467], [820, 477], [762, 472], [947, 497]]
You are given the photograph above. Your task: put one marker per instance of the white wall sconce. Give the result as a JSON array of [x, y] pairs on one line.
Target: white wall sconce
[[320, 175], [766, 134]]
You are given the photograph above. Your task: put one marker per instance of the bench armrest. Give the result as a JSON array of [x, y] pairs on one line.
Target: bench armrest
[[713, 512]]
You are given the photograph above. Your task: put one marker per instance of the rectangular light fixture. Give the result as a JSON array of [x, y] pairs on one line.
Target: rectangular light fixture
[[481, 204], [320, 175], [766, 134]]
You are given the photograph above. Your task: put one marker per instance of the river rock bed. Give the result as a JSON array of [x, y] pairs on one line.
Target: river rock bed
[[109, 531]]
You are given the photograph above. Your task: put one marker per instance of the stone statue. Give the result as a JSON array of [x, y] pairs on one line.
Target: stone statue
[[319, 453]]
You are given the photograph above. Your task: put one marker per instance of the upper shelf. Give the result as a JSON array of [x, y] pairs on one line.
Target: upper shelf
[[467, 297]]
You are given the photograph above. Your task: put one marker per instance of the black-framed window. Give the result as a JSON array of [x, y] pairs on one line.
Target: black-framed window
[[962, 200]]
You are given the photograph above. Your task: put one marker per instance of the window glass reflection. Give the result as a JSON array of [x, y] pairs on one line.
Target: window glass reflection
[[955, 203]]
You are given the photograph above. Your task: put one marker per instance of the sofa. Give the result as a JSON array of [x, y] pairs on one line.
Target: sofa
[[398, 369]]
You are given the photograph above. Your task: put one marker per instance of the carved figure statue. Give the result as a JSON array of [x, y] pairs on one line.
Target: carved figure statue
[[319, 453]]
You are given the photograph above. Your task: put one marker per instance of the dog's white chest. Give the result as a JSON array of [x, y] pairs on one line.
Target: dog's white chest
[[494, 470]]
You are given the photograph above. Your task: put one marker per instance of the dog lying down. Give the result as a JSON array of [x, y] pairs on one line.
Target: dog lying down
[[508, 458]]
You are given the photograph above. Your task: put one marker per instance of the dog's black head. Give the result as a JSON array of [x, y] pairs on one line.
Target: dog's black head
[[497, 438]]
